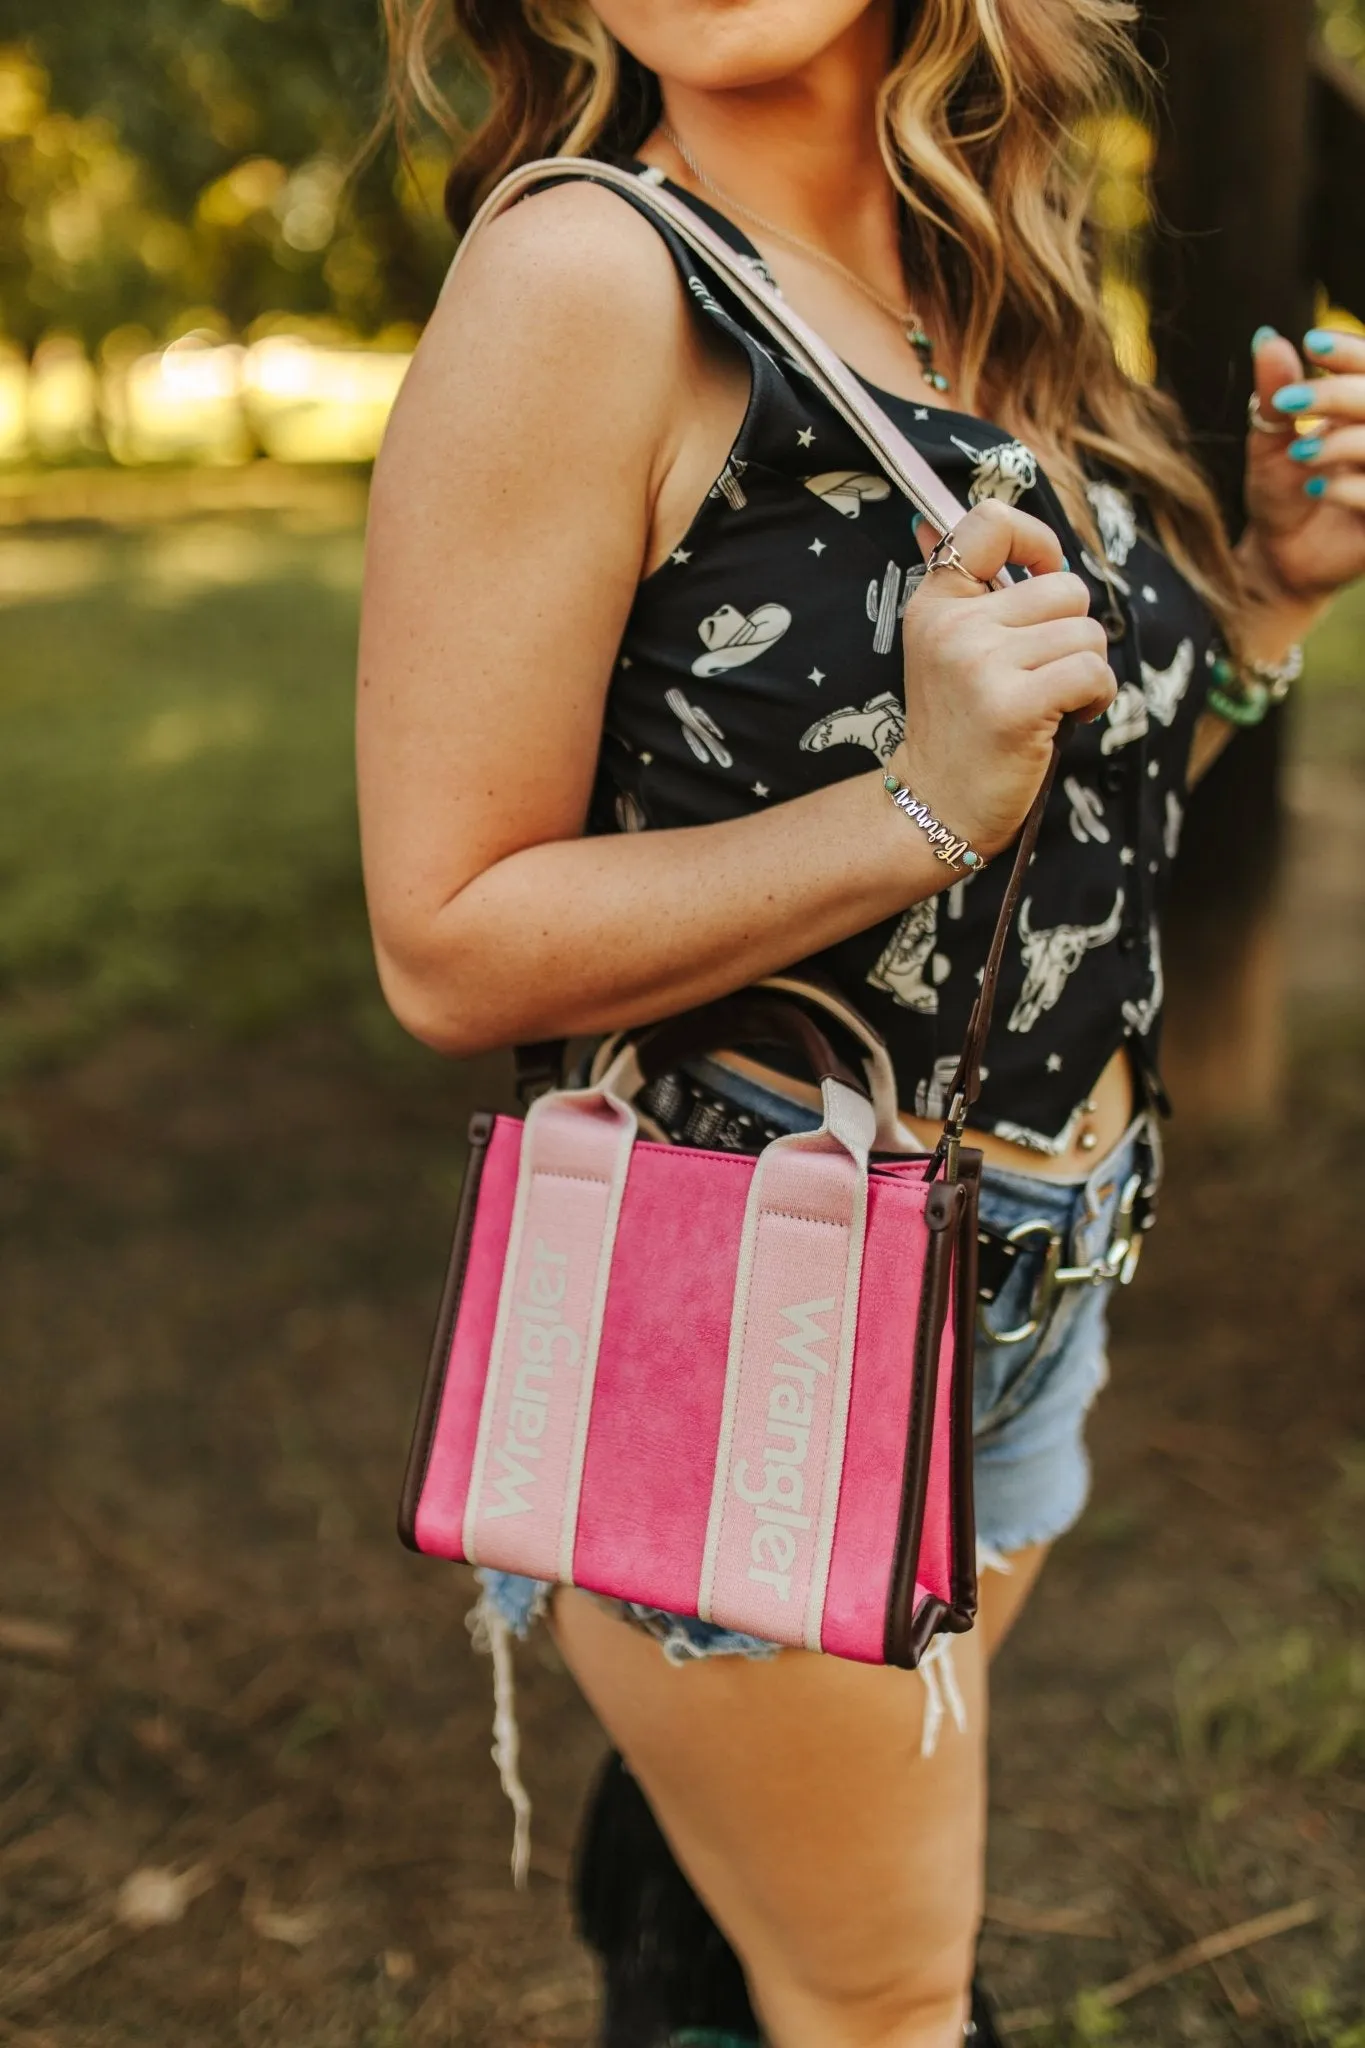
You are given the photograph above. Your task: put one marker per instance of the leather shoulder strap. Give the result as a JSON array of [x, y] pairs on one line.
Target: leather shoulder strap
[[902, 462]]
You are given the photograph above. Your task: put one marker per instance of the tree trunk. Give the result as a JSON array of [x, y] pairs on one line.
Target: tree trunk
[[1232, 187], [1337, 125]]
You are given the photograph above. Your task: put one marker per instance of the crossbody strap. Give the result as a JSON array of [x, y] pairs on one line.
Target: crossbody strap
[[902, 463]]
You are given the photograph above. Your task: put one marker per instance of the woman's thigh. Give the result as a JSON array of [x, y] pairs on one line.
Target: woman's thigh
[[844, 1866]]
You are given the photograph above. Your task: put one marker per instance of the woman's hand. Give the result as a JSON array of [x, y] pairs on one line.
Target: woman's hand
[[1306, 486], [989, 674]]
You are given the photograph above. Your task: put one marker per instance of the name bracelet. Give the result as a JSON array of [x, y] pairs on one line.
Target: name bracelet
[[949, 847]]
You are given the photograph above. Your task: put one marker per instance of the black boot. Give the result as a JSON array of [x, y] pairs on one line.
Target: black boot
[[982, 2031], [669, 1974]]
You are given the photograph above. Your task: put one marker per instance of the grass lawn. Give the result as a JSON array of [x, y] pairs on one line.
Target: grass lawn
[[177, 807]]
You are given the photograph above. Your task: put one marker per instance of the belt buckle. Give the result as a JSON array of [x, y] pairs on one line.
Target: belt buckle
[[1045, 1287]]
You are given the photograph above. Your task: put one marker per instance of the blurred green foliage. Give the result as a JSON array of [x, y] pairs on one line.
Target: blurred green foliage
[[183, 155], [164, 164], [1342, 23]]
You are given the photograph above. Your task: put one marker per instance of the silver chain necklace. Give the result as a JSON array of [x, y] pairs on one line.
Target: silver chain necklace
[[905, 317]]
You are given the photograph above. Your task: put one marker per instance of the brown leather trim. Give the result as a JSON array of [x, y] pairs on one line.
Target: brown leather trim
[[539, 1067], [751, 1017], [931, 1620], [962, 1613], [941, 1214], [967, 1080], [428, 1408]]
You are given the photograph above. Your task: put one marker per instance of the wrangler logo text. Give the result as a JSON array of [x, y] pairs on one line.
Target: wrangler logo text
[[776, 1491], [543, 1343]]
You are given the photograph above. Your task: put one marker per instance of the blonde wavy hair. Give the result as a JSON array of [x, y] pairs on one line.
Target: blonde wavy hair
[[980, 118]]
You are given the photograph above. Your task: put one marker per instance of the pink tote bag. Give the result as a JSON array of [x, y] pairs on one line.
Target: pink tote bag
[[731, 1387]]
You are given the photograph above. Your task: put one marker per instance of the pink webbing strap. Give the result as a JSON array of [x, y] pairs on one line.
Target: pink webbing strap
[[789, 1377], [528, 1457], [902, 462]]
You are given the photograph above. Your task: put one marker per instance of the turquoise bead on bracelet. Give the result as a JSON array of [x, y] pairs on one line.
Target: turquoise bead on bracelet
[[1242, 696], [948, 847]]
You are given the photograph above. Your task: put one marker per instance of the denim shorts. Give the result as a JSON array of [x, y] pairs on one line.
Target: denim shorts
[[1030, 1400]]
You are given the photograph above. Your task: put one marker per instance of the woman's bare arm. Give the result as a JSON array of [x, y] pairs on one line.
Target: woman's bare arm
[[534, 452], [510, 524]]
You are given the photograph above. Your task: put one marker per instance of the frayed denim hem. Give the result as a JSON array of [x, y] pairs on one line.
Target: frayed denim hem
[[684, 1640], [1024, 1524]]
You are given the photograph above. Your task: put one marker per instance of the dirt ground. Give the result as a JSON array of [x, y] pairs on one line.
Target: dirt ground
[[218, 1273]]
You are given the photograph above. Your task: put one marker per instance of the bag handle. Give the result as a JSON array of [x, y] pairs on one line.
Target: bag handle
[[902, 462], [747, 1018]]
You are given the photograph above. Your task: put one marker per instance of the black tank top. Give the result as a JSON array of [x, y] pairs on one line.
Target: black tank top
[[763, 659]]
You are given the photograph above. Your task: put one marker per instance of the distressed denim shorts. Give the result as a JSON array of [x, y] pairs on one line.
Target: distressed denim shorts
[[1031, 1397]]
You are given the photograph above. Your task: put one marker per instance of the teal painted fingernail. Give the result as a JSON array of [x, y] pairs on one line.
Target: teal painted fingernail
[[1263, 335], [1292, 398], [1319, 341], [1305, 450], [916, 523], [1315, 486]]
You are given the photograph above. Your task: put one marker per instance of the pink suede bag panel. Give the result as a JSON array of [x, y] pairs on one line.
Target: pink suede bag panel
[[655, 1424]]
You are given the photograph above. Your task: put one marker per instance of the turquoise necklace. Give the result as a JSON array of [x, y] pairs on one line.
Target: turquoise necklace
[[905, 317]]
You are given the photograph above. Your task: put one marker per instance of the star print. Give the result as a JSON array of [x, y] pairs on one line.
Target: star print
[[805, 437], [921, 412], [1127, 856], [1154, 769], [1053, 1063], [1149, 593], [626, 661], [816, 676], [1152, 866], [759, 788], [817, 547], [645, 760], [681, 555], [980, 976]]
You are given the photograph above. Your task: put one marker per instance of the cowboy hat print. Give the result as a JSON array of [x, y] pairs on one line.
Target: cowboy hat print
[[848, 490], [731, 639]]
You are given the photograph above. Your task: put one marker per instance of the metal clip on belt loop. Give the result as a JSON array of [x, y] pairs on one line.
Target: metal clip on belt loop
[[951, 1141], [1118, 1262]]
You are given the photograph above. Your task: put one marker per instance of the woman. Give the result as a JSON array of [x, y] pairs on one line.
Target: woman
[[636, 652]]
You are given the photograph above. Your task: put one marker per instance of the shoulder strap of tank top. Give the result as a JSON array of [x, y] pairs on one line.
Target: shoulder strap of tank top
[[902, 462]]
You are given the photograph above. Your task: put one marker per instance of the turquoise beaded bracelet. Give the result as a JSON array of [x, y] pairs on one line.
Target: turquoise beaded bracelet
[[953, 851], [1243, 695]]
